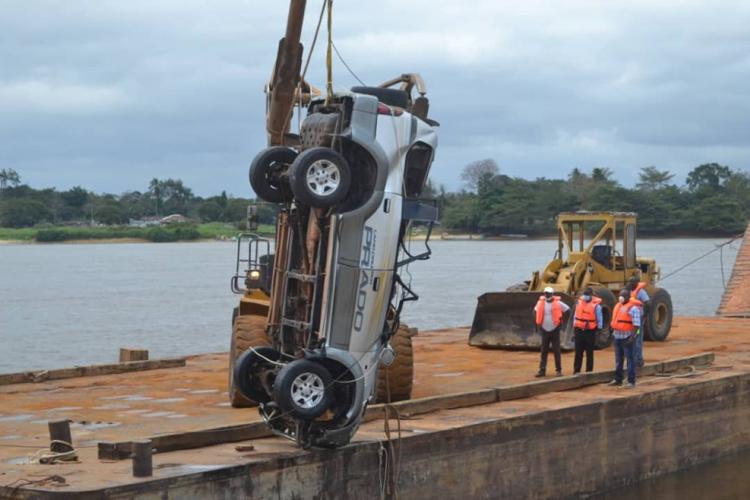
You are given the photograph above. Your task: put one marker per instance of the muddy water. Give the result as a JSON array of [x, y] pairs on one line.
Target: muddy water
[[724, 479], [62, 305]]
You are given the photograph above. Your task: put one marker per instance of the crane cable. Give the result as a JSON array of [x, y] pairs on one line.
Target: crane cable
[[719, 247]]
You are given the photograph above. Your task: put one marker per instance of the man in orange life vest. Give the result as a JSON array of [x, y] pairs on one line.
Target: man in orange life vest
[[588, 321], [626, 324], [638, 291], [549, 311]]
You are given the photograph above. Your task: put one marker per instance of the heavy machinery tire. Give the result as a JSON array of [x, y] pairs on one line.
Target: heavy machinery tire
[[391, 97], [604, 338], [265, 174], [247, 331], [658, 316], [303, 389], [320, 177], [518, 287], [400, 375]]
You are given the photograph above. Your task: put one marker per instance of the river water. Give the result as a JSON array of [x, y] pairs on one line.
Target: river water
[[76, 304]]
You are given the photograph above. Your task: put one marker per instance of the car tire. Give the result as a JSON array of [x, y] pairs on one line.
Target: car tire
[[604, 337], [266, 171], [303, 389], [320, 177], [658, 316], [399, 377], [247, 331], [391, 97]]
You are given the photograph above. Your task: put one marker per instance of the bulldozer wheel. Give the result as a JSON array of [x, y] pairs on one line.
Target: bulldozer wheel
[[401, 372], [604, 338], [247, 331], [658, 316]]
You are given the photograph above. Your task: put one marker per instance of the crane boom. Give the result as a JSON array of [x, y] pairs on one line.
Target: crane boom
[[286, 75]]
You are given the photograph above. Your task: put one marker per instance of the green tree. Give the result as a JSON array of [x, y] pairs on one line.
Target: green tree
[[718, 215], [9, 177], [652, 178], [210, 211], [76, 197], [20, 212], [708, 177]]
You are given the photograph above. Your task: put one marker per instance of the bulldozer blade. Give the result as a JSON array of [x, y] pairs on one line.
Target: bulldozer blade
[[505, 320]]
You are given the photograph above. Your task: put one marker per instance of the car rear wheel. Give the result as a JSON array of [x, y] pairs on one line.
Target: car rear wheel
[[320, 177], [266, 174]]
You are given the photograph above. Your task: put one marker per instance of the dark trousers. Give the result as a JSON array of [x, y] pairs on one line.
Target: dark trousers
[[624, 348], [585, 341], [550, 339]]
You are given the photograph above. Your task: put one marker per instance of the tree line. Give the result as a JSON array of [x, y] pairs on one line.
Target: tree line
[[24, 206], [714, 200]]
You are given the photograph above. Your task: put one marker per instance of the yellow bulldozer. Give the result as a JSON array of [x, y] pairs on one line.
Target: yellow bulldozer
[[594, 249]]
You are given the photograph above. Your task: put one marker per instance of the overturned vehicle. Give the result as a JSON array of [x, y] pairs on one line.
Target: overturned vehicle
[[319, 319]]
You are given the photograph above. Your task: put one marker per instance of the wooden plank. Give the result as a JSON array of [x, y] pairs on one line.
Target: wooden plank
[[256, 430], [128, 354], [108, 450], [89, 371]]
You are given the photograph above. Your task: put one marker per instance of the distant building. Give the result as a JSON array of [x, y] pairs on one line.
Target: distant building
[[174, 219], [145, 221]]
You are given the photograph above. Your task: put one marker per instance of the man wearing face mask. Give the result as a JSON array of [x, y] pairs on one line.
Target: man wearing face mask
[[626, 325], [549, 311], [638, 291], [588, 321]]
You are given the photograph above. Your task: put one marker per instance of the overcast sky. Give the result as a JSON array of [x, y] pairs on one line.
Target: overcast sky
[[109, 94]]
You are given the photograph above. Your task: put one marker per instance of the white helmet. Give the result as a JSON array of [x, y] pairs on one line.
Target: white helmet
[[549, 289]]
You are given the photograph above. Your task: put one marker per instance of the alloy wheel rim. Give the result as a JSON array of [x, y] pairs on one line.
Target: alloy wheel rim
[[323, 177], [307, 390]]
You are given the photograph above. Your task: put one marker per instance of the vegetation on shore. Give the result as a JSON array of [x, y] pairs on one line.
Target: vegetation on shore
[[714, 200], [158, 234]]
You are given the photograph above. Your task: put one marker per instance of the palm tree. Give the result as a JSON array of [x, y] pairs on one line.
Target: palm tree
[[9, 177]]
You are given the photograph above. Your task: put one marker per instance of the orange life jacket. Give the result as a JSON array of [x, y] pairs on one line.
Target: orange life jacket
[[556, 310], [585, 318], [621, 316]]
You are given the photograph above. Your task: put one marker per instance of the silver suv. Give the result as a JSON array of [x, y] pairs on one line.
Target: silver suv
[[347, 196]]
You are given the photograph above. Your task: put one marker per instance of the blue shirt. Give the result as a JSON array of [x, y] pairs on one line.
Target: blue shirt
[[599, 317], [642, 296], [635, 317]]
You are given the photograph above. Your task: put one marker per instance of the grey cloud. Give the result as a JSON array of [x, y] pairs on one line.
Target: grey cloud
[[109, 94]]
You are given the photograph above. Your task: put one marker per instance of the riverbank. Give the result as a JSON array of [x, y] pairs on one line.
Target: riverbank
[[124, 234]]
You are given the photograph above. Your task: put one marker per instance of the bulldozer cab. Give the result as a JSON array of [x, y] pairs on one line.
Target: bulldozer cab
[[594, 249]]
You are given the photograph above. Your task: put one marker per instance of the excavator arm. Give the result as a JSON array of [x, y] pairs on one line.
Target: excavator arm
[[282, 89]]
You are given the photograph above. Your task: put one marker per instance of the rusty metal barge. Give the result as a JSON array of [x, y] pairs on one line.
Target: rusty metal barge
[[479, 424]]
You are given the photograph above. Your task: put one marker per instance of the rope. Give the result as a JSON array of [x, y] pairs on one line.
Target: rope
[[347, 66], [392, 465], [20, 483], [53, 457], [718, 247]]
